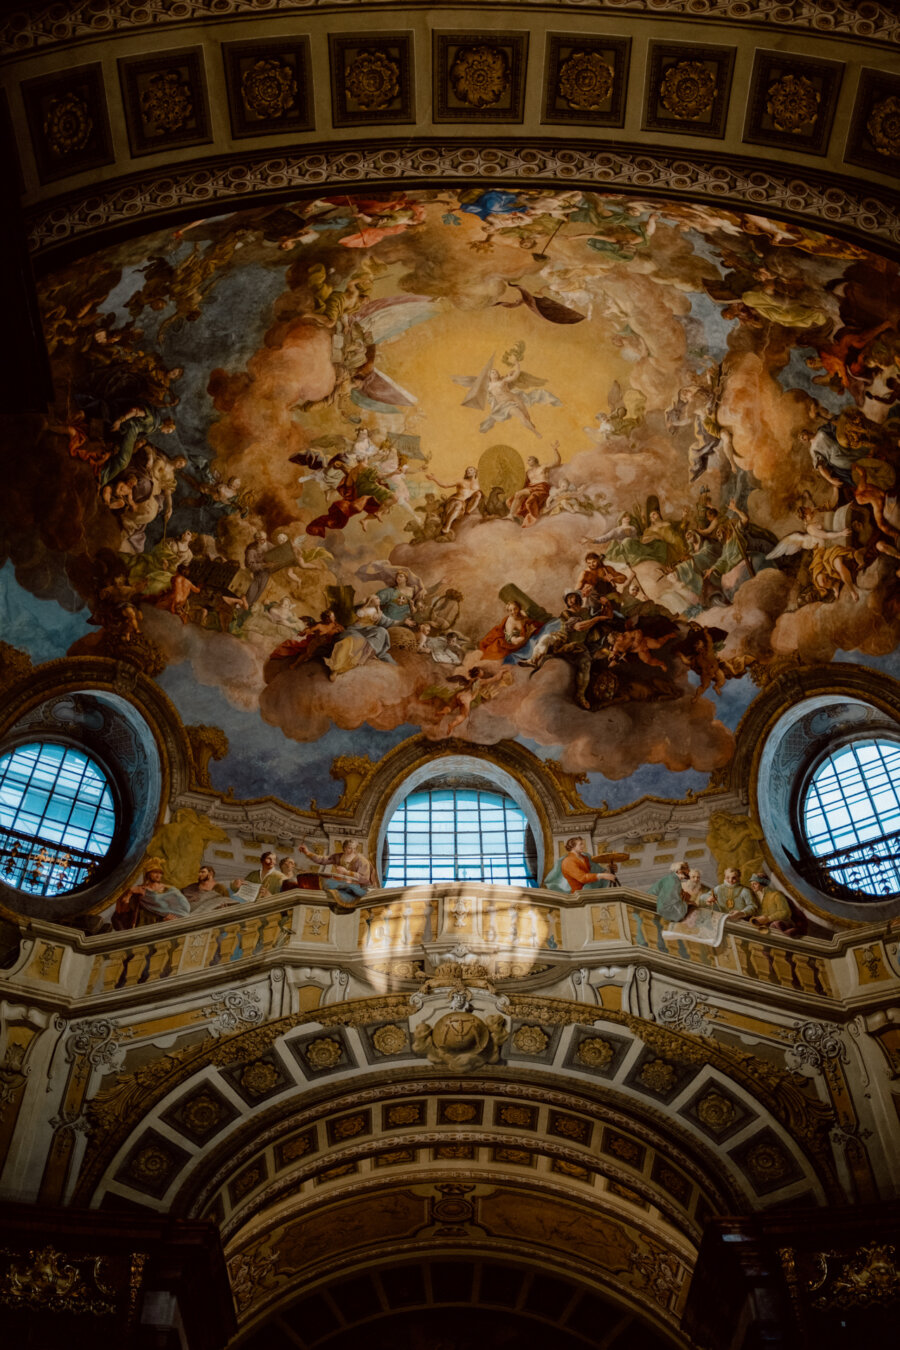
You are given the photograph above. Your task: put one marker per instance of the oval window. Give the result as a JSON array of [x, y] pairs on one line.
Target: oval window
[[57, 818], [850, 819]]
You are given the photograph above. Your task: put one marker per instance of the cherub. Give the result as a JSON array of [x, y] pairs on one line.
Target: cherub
[[698, 652], [633, 641], [471, 688]]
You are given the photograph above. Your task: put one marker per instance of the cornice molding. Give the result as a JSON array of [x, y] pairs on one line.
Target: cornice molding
[[159, 196], [60, 24]]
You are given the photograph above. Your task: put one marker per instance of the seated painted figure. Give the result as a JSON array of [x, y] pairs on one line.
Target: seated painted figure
[[573, 873], [348, 873], [154, 900]]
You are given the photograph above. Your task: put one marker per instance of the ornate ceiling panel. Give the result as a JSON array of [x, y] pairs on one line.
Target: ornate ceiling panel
[[427, 415], [165, 108]]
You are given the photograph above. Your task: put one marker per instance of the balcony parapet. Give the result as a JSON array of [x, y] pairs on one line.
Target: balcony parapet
[[527, 939]]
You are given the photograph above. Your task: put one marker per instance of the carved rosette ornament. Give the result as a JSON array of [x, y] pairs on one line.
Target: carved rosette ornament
[[585, 81], [531, 1040], [151, 1166], [373, 80], [268, 88], [202, 1114], [716, 1111], [767, 1163], [461, 1041], [883, 126], [460, 1113], [657, 1075], [167, 101], [259, 1078], [324, 1053], [390, 1040], [480, 76], [687, 90], [516, 1115], [793, 103], [595, 1052], [404, 1114], [67, 125]]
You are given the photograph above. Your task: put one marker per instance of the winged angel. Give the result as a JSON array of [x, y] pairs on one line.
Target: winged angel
[[506, 396]]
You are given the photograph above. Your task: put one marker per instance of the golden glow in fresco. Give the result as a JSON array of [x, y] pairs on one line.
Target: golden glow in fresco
[[549, 465]]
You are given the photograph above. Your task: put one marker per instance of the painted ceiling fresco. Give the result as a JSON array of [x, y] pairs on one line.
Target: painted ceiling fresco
[[575, 469]]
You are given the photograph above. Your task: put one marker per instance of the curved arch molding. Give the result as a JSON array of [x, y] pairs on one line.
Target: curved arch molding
[[119, 1115], [865, 214], [54, 25]]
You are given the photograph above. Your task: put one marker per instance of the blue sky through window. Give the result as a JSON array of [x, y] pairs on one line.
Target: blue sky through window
[[852, 803], [457, 834], [57, 817]]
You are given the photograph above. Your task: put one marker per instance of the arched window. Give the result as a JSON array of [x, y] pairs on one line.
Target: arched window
[[465, 833], [57, 818], [850, 819]]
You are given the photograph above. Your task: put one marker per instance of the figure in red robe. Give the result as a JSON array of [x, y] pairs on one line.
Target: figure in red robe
[[510, 635]]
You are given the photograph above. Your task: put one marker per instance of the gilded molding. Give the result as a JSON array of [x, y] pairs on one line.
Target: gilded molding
[[55, 25], [45, 1279], [113, 1113], [860, 212]]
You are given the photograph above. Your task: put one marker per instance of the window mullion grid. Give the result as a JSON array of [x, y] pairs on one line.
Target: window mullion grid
[[431, 837], [405, 824], [862, 776], [74, 803], [31, 774], [866, 867], [862, 864], [824, 809], [479, 798], [885, 767]]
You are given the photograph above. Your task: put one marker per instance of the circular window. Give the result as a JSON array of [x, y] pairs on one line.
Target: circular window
[[57, 818], [825, 780], [459, 834], [850, 820]]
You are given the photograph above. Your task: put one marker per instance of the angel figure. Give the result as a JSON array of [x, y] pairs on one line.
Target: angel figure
[[506, 396], [831, 549], [328, 470], [468, 690]]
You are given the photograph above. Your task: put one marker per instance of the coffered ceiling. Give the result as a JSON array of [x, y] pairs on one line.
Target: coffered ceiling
[[123, 111]]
